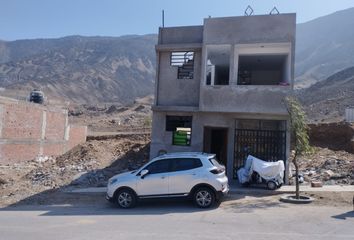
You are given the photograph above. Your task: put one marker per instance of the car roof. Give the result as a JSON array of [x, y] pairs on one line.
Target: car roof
[[186, 154]]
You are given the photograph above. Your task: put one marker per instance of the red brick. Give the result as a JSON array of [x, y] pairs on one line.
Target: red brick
[[55, 126], [21, 121], [77, 135], [50, 149], [18, 152]]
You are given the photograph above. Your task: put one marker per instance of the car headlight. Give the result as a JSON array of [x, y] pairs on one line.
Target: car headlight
[[112, 181]]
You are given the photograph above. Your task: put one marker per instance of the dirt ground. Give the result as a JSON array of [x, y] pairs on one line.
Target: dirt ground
[[272, 199], [89, 164], [44, 180], [114, 117]]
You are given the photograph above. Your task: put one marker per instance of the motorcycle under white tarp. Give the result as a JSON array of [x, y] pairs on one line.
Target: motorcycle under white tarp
[[266, 170]]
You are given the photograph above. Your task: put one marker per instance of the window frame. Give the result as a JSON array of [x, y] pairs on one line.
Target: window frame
[[156, 162], [179, 61], [169, 129]]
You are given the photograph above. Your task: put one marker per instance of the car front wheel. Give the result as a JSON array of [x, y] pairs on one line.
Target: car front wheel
[[125, 199], [271, 185], [204, 197]]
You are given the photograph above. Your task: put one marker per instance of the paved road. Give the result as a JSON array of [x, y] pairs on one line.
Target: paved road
[[178, 220]]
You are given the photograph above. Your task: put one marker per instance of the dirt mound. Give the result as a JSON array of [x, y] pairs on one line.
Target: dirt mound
[[89, 164], [335, 136], [330, 167]]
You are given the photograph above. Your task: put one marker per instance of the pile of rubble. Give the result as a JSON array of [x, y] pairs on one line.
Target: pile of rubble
[[89, 164], [329, 167]]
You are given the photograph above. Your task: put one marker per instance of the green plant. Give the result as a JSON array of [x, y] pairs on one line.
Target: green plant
[[299, 131], [147, 121]]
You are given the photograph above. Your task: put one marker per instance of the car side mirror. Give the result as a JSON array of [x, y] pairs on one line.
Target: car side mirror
[[143, 173]]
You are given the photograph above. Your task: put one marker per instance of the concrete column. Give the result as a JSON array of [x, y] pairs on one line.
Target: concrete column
[[202, 75], [66, 128], [44, 125], [235, 63], [157, 78], [232, 80]]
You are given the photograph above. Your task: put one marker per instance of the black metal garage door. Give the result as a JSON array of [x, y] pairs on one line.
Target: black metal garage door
[[268, 145]]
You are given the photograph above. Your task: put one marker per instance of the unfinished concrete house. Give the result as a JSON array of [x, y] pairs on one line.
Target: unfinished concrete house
[[220, 88]]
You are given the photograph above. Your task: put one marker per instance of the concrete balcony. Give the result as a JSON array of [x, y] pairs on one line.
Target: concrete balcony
[[244, 99]]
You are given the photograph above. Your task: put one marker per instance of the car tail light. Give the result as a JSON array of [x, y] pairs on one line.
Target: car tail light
[[217, 170]]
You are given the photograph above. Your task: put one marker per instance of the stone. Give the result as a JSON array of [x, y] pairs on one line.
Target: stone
[[316, 184], [2, 181], [328, 173]]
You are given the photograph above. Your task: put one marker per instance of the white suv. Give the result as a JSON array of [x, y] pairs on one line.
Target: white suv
[[195, 175]]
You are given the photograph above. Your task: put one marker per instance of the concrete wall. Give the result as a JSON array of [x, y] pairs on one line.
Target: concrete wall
[[28, 130], [250, 29], [178, 35], [244, 99], [162, 140], [177, 92]]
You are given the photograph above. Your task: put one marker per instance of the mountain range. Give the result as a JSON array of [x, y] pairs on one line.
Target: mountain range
[[324, 46], [327, 100], [121, 69], [81, 69]]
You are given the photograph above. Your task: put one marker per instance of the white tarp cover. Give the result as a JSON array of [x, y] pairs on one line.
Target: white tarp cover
[[267, 170]]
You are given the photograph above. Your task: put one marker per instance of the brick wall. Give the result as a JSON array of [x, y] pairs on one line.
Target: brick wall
[[77, 134], [55, 125], [28, 130], [21, 121]]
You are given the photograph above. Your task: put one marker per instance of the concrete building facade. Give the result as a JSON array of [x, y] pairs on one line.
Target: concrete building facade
[[220, 88]]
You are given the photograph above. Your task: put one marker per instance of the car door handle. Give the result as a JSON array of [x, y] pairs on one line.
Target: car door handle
[[163, 177]]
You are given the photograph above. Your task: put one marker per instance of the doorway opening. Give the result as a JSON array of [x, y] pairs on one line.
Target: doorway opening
[[215, 141]]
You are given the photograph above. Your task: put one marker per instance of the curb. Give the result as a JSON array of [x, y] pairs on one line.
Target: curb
[[291, 199]]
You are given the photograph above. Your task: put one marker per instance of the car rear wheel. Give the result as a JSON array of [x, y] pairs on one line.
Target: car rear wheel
[[125, 198], [204, 197]]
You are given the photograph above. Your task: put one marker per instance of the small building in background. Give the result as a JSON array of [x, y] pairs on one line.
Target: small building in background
[[349, 115]]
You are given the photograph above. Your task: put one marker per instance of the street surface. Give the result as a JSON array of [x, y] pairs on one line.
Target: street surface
[[178, 220]]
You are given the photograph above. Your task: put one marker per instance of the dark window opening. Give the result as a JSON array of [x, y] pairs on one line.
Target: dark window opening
[[159, 167], [262, 70], [174, 122], [185, 63], [184, 164], [218, 65], [181, 126], [221, 75]]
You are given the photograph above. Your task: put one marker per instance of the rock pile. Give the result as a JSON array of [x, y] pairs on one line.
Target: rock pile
[[89, 164], [330, 167]]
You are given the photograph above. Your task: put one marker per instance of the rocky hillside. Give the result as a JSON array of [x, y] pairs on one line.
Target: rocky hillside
[[327, 99], [324, 46], [81, 69], [120, 69]]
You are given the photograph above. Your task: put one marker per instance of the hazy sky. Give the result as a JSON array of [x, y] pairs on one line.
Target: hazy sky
[[21, 19]]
